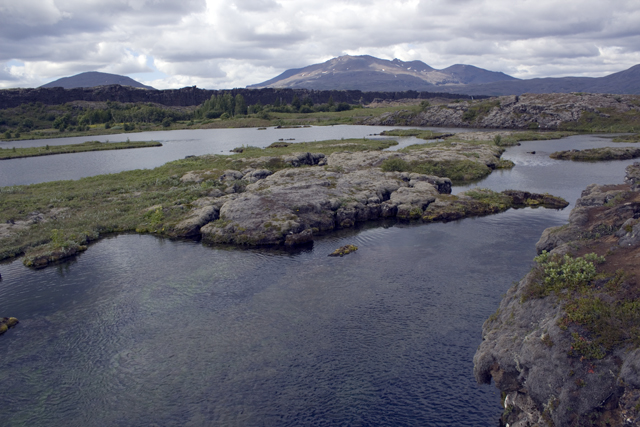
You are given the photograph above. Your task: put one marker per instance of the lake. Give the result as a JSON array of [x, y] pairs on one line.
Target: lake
[[140, 330], [176, 145]]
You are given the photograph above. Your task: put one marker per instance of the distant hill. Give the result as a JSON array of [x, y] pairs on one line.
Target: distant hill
[[367, 73], [625, 82], [93, 79]]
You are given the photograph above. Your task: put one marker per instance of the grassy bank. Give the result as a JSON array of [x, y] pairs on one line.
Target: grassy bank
[[13, 153]]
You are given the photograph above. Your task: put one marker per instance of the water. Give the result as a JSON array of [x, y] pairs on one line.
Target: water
[[145, 331], [176, 145]]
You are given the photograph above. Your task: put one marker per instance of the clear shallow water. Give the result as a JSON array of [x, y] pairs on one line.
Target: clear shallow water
[[176, 145], [142, 331]]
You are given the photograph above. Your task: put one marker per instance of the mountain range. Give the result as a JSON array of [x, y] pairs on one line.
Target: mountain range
[[367, 73], [93, 79]]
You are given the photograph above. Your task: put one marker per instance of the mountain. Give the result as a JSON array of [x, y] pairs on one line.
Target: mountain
[[93, 79], [625, 82], [369, 74]]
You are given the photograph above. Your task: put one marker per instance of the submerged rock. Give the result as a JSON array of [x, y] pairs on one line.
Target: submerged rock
[[6, 323], [344, 250]]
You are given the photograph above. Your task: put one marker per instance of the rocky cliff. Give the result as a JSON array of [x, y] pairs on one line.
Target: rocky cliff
[[529, 111], [564, 345]]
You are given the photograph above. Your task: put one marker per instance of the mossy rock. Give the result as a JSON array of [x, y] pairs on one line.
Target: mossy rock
[[344, 250], [6, 323]]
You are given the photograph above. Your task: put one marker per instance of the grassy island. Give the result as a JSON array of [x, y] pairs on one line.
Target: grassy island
[[286, 190], [14, 153], [597, 154]]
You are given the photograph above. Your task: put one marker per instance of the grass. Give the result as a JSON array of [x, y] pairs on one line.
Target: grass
[[597, 154], [325, 147], [479, 110], [516, 137], [418, 133], [12, 153], [459, 171], [605, 120], [627, 138]]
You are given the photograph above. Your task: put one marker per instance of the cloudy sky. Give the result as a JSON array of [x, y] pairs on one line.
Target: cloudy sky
[[218, 44]]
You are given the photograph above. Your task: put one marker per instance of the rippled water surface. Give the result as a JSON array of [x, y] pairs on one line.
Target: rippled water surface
[[145, 331]]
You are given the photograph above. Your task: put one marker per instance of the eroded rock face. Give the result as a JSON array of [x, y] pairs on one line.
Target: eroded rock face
[[529, 347], [277, 209], [528, 111]]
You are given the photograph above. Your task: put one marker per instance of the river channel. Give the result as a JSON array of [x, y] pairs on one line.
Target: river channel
[[142, 331]]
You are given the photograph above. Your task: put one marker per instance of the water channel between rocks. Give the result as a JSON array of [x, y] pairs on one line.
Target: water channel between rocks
[[142, 331]]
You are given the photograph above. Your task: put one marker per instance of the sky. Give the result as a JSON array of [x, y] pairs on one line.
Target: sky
[[223, 44]]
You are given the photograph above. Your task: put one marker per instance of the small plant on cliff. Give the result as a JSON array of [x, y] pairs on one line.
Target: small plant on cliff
[[563, 274]]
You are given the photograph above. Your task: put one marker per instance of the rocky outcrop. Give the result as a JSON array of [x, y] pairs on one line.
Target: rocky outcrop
[[562, 347], [528, 111], [317, 194]]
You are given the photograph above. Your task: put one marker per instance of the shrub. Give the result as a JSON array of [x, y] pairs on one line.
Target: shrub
[[395, 165]]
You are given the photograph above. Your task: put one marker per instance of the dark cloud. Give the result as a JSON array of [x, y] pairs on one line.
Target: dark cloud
[[233, 43]]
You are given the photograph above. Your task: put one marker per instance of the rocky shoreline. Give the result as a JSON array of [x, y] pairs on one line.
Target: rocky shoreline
[[564, 345], [566, 111]]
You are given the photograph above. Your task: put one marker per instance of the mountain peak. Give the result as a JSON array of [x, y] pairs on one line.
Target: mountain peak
[[93, 79]]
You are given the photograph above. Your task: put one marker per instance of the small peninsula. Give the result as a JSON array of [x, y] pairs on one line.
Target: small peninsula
[[15, 153]]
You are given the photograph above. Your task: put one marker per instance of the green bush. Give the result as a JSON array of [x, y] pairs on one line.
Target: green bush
[[395, 165]]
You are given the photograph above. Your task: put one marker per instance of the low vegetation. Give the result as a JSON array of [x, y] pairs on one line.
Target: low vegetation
[[478, 110], [605, 120], [598, 310], [418, 133], [597, 154], [66, 215], [12, 153], [635, 137], [461, 171]]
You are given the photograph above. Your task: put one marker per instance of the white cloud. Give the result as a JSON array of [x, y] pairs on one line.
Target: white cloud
[[233, 43]]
